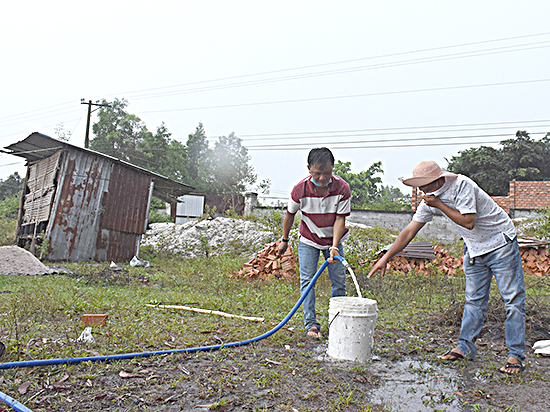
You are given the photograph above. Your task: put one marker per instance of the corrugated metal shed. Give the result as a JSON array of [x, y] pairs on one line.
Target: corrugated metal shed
[[88, 206]]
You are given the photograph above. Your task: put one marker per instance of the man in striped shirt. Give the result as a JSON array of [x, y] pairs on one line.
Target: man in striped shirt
[[324, 201]]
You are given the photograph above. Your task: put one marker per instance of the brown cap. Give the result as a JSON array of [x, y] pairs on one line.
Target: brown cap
[[425, 172]]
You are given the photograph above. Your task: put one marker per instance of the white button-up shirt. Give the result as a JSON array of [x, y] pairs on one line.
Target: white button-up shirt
[[492, 223]]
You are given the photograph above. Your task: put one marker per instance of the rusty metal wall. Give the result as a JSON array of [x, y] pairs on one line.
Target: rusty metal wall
[[100, 210], [125, 204], [74, 226], [125, 207]]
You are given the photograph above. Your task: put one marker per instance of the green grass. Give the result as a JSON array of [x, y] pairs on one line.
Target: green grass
[[46, 310], [40, 318], [419, 314]]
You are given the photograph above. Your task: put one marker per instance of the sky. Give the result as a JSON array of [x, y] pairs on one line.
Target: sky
[[391, 81]]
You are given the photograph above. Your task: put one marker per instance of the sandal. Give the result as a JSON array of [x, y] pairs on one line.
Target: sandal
[[314, 333], [509, 365], [454, 356]]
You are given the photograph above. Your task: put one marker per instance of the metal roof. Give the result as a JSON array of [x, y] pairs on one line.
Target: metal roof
[[419, 250], [38, 146]]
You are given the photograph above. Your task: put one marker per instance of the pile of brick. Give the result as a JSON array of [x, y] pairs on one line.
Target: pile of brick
[[535, 260], [443, 261], [269, 264]]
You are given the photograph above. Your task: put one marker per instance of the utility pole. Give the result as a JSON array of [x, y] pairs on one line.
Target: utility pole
[[90, 104]]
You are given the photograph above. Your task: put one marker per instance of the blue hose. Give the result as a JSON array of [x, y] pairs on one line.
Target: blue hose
[[19, 407], [68, 361]]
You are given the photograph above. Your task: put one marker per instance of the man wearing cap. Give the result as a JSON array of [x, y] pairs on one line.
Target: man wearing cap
[[490, 248], [324, 200]]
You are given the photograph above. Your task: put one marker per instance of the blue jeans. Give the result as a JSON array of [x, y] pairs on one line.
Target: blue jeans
[[505, 264], [309, 260]]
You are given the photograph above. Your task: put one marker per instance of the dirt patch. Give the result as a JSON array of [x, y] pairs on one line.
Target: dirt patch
[[17, 261]]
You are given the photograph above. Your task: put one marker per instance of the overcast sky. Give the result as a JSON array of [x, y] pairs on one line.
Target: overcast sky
[[434, 76]]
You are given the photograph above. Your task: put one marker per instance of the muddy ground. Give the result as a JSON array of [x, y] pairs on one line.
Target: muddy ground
[[404, 375]]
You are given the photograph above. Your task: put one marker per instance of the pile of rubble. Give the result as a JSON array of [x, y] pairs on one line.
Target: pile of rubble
[[269, 264], [208, 237]]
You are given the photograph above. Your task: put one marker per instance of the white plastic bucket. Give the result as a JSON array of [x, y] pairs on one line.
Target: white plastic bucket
[[351, 328]]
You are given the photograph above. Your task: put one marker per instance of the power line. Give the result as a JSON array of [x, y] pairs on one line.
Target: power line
[[335, 144], [475, 53], [384, 147], [336, 63], [11, 164], [59, 113], [349, 96], [316, 135], [56, 108], [397, 128], [37, 110]]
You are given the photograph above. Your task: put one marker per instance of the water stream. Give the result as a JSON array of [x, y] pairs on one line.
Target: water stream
[[350, 270]]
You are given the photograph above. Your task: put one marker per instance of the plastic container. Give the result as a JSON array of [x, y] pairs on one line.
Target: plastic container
[[351, 328]]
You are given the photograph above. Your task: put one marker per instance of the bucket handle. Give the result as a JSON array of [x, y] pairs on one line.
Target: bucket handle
[[335, 316]]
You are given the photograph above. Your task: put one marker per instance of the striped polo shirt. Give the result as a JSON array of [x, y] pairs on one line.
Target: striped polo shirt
[[319, 212]]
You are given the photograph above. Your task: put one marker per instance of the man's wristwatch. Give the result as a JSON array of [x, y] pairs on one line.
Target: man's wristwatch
[[284, 240]]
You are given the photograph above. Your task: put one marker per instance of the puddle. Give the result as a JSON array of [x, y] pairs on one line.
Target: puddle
[[414, 386]]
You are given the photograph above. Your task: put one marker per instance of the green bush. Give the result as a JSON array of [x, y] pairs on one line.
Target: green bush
[[7, 231], [156, 217], [8, 206]]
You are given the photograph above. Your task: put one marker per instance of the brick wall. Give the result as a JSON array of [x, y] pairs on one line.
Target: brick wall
[[530, 195], [503, 202]]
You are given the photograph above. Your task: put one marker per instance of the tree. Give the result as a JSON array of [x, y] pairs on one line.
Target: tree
[[198, 160], [163, 155], [11, 186], [363, 185], [484, 165], [522, 158], [390, 198], [231, 170], [526, 158], [224, 169], [118, 133]]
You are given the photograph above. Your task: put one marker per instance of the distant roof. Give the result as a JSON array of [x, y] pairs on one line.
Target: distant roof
[[38, 146]]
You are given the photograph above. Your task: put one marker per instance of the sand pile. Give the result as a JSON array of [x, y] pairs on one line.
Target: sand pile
[[17, 261]]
